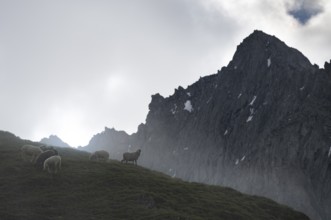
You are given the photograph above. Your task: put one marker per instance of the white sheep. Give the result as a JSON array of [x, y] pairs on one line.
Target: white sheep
[[53, 164], [100, 155], [131, 157], [30, 152], [43, 156]]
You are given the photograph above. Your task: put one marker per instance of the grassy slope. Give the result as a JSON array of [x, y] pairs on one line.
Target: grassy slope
[[91, 190]]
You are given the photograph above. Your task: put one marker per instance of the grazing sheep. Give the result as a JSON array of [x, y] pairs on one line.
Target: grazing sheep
[[101, 155], [131, 157], [43, 156], [46, 147], [30, 152], [53, 164]]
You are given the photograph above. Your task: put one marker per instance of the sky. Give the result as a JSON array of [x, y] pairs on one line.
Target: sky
[[73, 67]]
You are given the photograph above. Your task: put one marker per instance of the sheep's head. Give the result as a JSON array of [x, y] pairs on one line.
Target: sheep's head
[[55, 152], [139, 151], [43, 147]]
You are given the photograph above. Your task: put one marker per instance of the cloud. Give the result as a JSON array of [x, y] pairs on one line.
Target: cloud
[[103, 59], [304, 10]]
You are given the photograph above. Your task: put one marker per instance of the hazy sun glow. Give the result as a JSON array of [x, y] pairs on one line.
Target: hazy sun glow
[[115, 81], [68, 124]]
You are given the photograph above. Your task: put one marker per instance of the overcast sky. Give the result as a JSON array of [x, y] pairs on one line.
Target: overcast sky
[[72, 67]]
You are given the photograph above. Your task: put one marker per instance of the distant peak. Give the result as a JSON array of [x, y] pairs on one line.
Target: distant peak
[[259, 33], [54, 140], [260, 47], [261, 38]]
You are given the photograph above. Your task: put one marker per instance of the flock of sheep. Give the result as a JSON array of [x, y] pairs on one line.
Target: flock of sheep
[[102, 155], [47, 158]]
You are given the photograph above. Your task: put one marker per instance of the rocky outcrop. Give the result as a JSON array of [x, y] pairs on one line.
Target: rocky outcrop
[[111, 140], [261, 125], [54, 140]]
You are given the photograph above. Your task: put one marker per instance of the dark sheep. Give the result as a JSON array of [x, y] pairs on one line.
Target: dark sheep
[[43, 156], [46, 148]]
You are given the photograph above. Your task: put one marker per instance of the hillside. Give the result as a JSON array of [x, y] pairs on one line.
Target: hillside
[[260, 125], [91, 190]]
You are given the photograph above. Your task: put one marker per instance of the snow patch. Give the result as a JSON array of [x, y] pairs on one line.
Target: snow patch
[[237, 161], [243, 158], [174, 109], [239, 95], [302, 88], [189, 94], [269, 62], [226, 132], [188, 106], [253, 100], [235, 67], [251, 115], [209, 100], [186, 148], [329, 154], [173, 176], [249, 118]]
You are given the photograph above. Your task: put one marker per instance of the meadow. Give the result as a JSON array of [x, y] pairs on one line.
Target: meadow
[[110, 190]]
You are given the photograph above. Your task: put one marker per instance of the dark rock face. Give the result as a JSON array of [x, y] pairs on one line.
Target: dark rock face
[[111, 140], [54, 140], [261, 125]]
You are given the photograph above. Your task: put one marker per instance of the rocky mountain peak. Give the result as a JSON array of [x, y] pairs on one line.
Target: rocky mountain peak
[[54, 140], [112, 140], [261, 125], [259, 51]]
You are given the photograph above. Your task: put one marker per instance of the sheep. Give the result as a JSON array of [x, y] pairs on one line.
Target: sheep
[[131, 157], [53, 164], [46, 147], [43, 156], [100, 155], [30, 151]]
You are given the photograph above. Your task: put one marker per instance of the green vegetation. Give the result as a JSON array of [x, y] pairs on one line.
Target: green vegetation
[[92, 190]]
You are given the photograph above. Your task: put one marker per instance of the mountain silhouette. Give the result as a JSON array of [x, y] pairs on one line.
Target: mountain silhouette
[[261, 125]]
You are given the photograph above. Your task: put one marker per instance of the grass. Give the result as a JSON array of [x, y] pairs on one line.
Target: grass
[[92, 190]]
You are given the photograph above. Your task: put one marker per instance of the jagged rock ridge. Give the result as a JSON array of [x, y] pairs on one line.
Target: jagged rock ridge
[[261, 125], [116, 142], [54, 140]]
